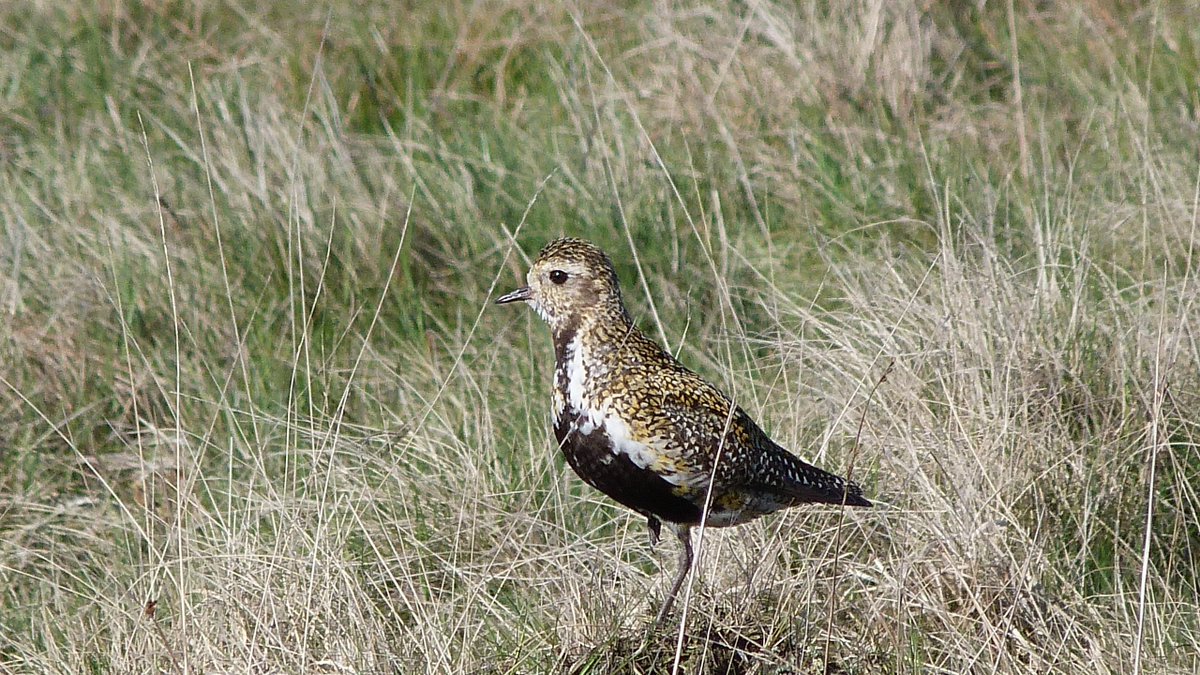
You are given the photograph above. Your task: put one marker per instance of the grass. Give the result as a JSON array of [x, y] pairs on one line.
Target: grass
[[257, 412]]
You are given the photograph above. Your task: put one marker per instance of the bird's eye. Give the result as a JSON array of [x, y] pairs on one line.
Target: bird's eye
[[558, 276]]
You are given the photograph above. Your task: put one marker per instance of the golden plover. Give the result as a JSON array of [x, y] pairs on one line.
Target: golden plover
[[637, 425]]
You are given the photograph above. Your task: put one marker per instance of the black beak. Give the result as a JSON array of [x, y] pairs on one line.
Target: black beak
[[521, 294]]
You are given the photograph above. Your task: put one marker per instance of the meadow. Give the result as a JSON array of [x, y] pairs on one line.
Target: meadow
[[259, 414]]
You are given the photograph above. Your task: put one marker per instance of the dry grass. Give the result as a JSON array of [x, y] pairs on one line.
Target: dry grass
[[257, 414]]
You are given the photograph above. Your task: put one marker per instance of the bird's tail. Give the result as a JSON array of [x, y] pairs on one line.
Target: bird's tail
[[803, 483]]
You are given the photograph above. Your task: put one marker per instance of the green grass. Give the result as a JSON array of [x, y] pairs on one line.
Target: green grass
[[250, 372]]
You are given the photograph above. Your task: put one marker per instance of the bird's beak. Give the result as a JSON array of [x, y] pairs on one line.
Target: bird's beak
[[521, 294]]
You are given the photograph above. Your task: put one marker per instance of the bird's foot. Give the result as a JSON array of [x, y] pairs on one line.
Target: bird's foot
[[655, 526]]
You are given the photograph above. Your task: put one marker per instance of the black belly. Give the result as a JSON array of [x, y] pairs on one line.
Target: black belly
[[614, 474]]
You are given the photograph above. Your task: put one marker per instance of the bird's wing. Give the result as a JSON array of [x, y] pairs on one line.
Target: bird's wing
[[692, 426], [698, 427]]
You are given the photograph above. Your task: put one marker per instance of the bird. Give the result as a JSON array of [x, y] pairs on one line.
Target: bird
[[636, 424]]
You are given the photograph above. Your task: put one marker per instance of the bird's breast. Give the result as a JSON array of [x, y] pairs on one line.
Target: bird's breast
[[598, 449]]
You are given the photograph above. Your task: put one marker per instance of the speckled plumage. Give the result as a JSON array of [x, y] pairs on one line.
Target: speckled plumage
[[637, 425]]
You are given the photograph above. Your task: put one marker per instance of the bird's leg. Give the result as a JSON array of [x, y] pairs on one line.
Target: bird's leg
[[684, 532], [655, 527]]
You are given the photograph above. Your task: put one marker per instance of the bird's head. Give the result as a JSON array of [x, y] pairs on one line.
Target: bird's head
[[570, 281]]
